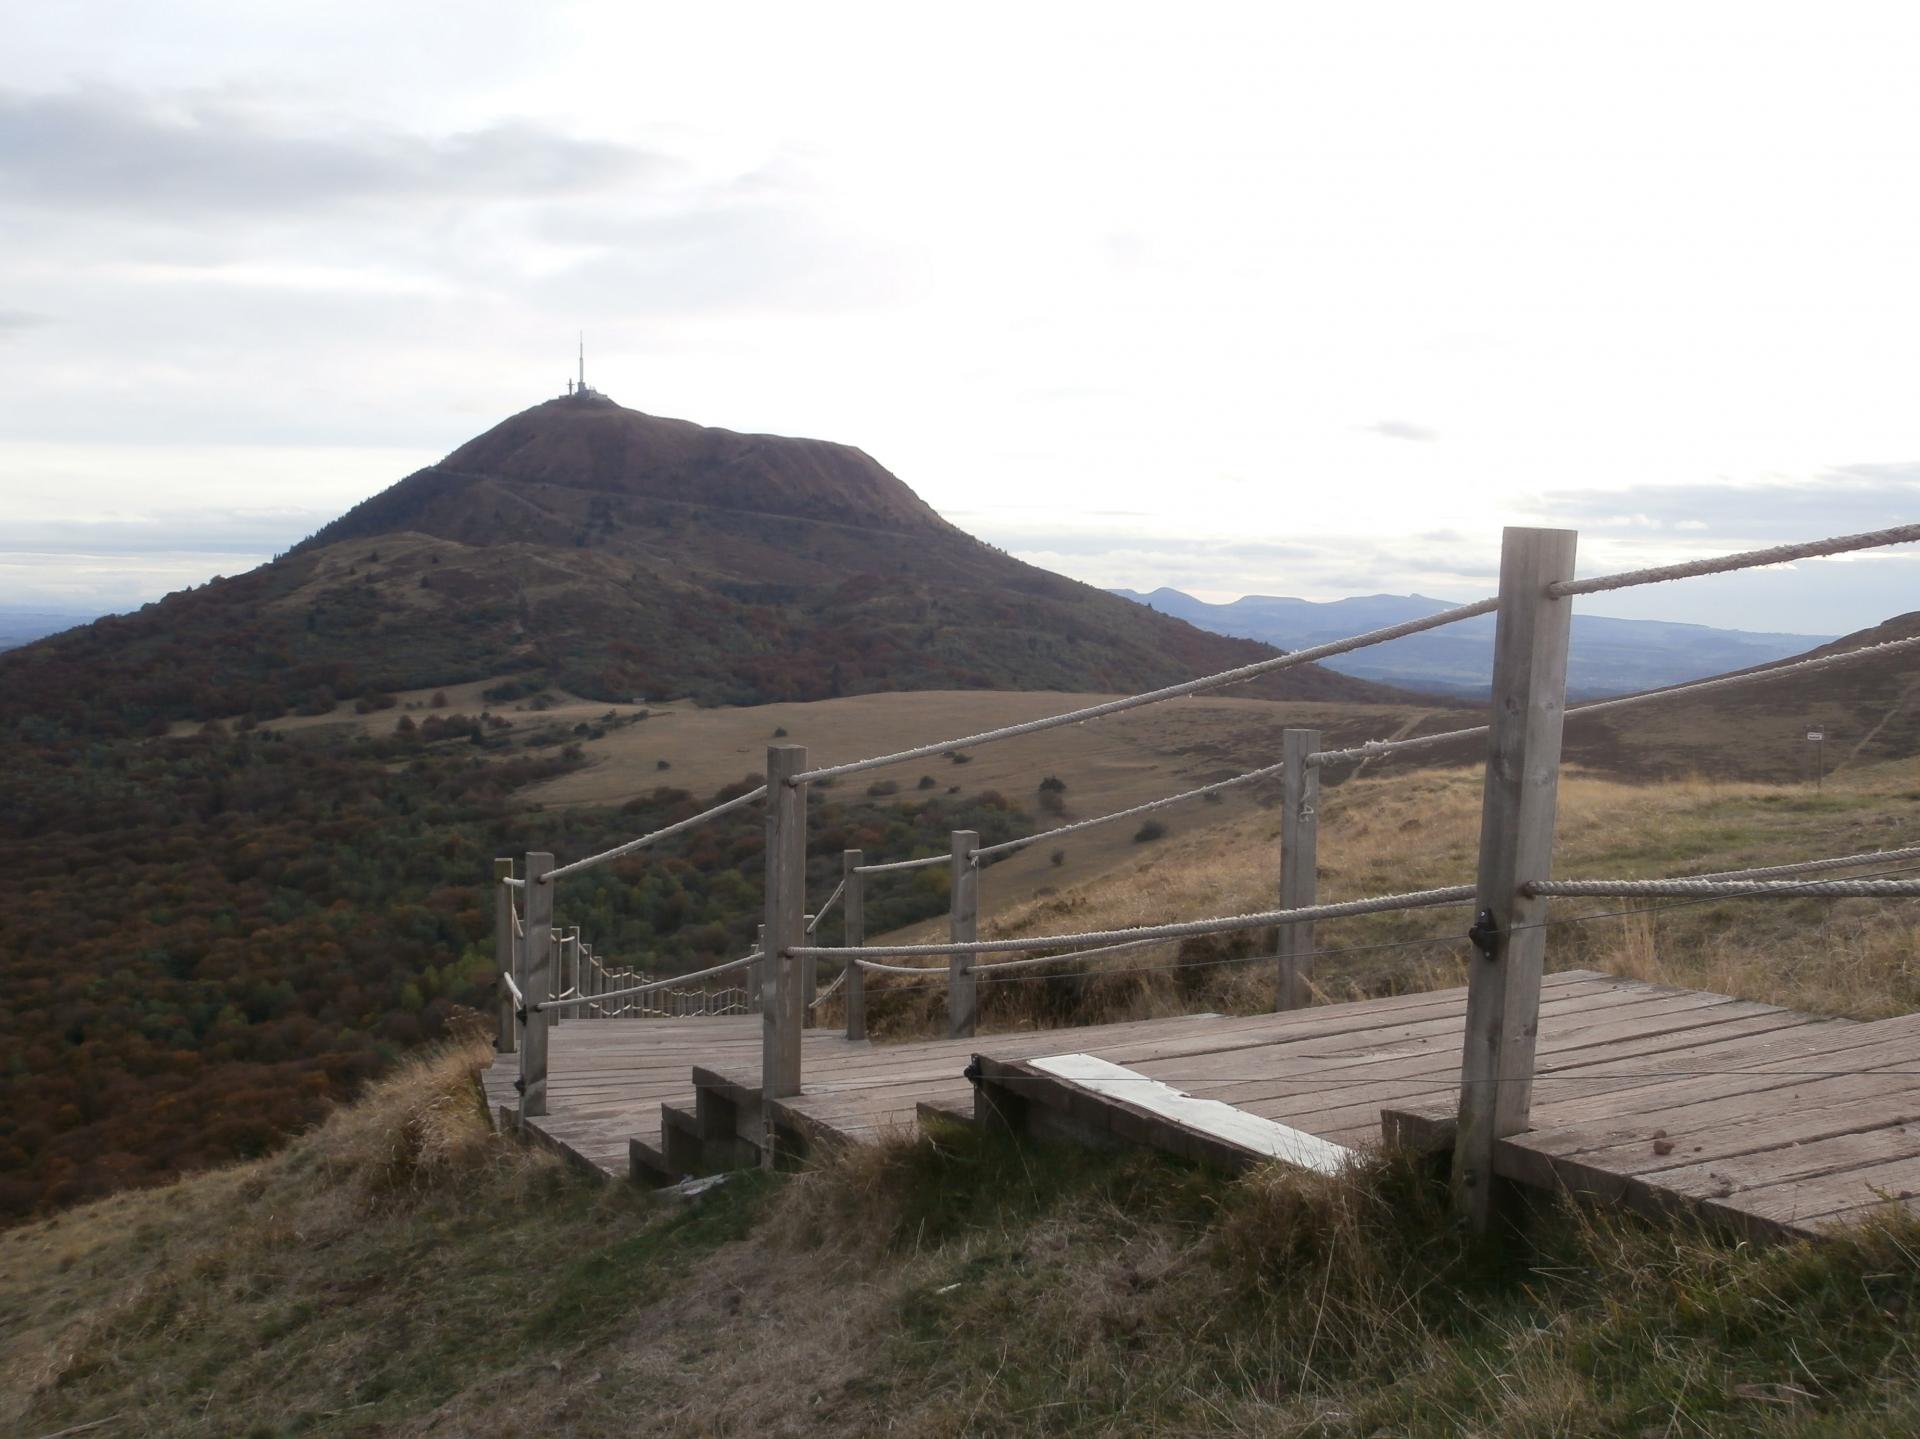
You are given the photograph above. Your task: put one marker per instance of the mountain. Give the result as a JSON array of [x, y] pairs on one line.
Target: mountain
[[620, 554], [1608, 656]]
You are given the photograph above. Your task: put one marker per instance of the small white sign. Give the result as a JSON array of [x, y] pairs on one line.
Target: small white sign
[[1814, 736]]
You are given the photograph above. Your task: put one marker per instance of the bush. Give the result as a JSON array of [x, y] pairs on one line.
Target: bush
[[661, 764], [780, 732], [927, 781], [1053, 784], [881, 788], [439, 700], [957, 757], [1149, 832], [1059, 857]]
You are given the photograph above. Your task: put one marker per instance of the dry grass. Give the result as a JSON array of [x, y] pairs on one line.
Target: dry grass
[[1415, 830]]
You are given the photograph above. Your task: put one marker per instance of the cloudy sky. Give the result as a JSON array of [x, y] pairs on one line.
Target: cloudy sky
[[1283, 298]]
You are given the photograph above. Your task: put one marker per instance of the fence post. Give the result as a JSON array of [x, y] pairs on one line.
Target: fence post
[[590, 982], [1516, 847], [963, 924], [537, 967], [786, 865], [508, 1038], [853, 914], [1299, 861], [564, 951], [757, 973]]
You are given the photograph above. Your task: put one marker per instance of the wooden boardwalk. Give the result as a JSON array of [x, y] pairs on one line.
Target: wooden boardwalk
[[1665, 1099]]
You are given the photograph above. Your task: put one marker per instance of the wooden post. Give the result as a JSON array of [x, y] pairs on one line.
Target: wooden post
[[853, 913], [757, 974], [1516, 847], [1299, 861], [507, 1040], [786, 902], [590, 982], [537, 966], [963, 924]]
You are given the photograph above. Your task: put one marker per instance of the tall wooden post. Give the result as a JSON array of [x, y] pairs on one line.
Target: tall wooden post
[[590, 983], [566, 963], [1516, 847], [537, 967], [963, 924], [757, 974], [507, 1040], [786, 903], [853, 913], [1299, 861]]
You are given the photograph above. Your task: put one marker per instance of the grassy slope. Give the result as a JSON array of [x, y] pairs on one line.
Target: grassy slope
[[371, 1278], [402, 1271]]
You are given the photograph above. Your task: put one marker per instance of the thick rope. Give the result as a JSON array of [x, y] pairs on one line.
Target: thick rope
[[1006, 846], [753, 958], [832, 900], [827, 993], [1075, 954], [752, 796], [512, 883], [1374, 749], [1745, 560], [900, 864], [513, 989], [875, 967], [1753, 888], [1231, 924], [1206, 682], [1811, 866]]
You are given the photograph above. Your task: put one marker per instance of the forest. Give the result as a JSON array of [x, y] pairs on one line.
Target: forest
[[215, 937]]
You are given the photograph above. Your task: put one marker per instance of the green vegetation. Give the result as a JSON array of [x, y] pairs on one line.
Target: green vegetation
[[401, 1269], [217, 935]]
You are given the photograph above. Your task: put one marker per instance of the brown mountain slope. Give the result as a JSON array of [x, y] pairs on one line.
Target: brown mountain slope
[[1866, 711], [620, 554]]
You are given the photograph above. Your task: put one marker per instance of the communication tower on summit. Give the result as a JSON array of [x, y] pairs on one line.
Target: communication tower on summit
[[576, 389]]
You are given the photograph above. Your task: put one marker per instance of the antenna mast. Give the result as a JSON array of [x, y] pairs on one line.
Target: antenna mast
[[583, 359]]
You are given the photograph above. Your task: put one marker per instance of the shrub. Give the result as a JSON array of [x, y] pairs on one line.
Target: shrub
[[1053, 784], [880, 788], [927, 781], [439, 700], [661, 764], [780, 732], [1149, 832], [1059, 857]]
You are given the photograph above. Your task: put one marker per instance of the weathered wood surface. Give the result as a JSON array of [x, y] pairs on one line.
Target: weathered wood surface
[[1666, 1099]]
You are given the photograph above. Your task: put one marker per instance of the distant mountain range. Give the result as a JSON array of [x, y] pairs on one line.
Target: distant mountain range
[[1608, 656], [23, 624]]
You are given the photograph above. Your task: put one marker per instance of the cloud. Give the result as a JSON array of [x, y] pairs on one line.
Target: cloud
[[106, 150], [1844, 500], [1401, 430], [12, 322]]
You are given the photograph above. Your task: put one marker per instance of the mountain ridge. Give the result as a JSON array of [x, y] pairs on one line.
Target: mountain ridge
[[1608, 656], [620, 555]]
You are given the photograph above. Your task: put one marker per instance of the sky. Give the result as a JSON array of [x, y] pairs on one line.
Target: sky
[[1275, 299]]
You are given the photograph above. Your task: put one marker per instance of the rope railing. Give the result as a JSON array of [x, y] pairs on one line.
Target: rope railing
[[511, 883], [832, 899], [752, 796], [894, 866], [1745, 560], [1226, 924], [1375, 749], [1007, 846], [1812, 866], [1732, 889], [1241, 675], [731, 964], [827, 993]]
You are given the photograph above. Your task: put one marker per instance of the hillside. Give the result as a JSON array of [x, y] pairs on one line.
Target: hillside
[[620, 555], [1868, 712], [1607, 656], [402, 1269]]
